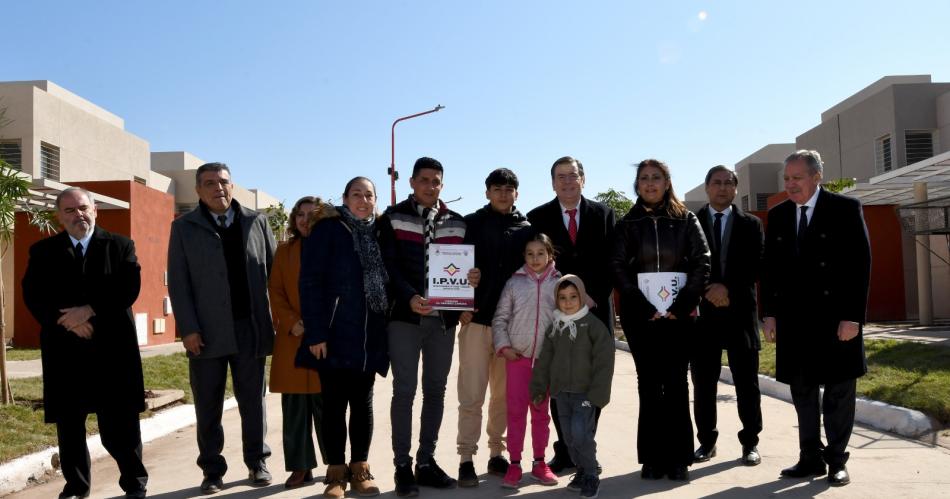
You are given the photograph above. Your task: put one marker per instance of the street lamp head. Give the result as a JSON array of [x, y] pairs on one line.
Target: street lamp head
[[439, 107]]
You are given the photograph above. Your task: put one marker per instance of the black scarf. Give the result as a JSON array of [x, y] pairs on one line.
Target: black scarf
[[371, 259]]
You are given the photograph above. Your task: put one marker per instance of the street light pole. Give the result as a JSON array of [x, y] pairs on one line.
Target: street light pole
[[393, 175]]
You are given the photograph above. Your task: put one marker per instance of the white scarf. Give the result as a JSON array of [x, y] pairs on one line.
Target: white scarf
[[561, 320]]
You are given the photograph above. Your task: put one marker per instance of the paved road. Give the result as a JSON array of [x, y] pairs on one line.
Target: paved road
[[882, 465]]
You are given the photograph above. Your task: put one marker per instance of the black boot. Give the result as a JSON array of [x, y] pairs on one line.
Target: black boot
[[562, 459]]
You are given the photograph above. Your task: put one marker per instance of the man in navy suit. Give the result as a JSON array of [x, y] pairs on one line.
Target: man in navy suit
[[582, 231], [727, 318], [814, 293]]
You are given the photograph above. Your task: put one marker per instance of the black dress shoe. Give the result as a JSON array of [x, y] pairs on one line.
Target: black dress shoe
[[651, 472], [805, 469], [750, 456], [704, 454], [561, 460], [679, 474], [138, 494], [838, 476], [259, 476], [211, 484], [66, 495]]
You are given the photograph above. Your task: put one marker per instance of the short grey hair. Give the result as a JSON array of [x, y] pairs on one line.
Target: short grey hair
[[67, 190], [810, 157], [210, 167]]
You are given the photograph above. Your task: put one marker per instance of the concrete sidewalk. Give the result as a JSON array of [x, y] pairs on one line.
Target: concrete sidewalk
[[31, 368], [938, 334], [882, 465]]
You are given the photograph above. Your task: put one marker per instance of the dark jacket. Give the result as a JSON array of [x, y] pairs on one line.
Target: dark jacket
[[499, 241], [659, 241], [589, 258], [333, 304], [582, 365], [105, 371], [401, 241], [811, 291], [741, 262]]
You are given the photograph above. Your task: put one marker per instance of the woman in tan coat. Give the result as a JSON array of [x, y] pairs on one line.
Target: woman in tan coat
[[300, 399]]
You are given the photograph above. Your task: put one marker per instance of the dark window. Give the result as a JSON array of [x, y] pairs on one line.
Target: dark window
[[49, 161], [918, 145], [882, 154], [11, 153]]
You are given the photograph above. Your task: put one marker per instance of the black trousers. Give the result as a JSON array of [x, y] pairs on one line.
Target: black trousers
[[705, 366], [661, 354], [208, 378], [341, 388], [837, 407], [121, 436]]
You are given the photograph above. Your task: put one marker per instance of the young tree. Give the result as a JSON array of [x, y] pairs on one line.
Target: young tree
[[14, 196], [616, 200], [277, 218]]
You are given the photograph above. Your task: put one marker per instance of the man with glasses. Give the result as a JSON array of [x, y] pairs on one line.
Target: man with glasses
[[583, 232], [219, 261], [727, 318]]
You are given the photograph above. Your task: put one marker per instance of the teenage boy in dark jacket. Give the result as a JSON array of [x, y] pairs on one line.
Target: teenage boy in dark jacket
[[499, 232], [406, 230]]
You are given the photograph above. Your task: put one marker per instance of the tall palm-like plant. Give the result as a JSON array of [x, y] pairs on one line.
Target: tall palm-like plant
[[14, 196]]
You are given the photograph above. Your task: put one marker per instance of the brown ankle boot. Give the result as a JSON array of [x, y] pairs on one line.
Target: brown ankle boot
[[362, 480], [336, 481]]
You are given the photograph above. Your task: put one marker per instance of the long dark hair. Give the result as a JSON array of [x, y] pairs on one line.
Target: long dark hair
[[673, 204], [292, 230]]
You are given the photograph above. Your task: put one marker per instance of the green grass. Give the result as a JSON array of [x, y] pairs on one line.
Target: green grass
[[22, 430], [15, 354], [912, 375]]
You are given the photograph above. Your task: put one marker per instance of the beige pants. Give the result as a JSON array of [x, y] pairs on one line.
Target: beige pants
[[479, 368]]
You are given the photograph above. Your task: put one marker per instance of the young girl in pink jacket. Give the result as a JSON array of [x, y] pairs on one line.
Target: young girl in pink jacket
[[525, 311]]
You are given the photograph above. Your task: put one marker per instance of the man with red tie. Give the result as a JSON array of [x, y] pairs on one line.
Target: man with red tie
[[582, 231]]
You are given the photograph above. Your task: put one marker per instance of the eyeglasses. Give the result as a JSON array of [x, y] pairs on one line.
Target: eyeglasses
[[720, 183]]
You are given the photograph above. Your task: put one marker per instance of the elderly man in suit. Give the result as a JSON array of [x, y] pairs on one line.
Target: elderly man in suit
[[582, 231], [219, 261], [80, 286], [814, 292], [727, 318]]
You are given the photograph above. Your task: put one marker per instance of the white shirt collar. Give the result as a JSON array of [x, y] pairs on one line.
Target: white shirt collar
[[229, 214], [725, 213], [811, 201], [84, 241]]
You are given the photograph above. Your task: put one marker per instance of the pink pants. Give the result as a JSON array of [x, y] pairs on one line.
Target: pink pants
[[518, 398]]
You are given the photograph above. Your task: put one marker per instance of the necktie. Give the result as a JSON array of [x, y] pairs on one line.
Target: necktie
[[717, 231], [223, 221], [572, 224], [79, 256], [717, 248], [802, 226]]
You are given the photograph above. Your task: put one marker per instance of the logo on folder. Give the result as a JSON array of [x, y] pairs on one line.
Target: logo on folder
[[451, 269], [663, 293]]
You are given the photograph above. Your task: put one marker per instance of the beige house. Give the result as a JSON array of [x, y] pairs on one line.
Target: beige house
[[57, 138]]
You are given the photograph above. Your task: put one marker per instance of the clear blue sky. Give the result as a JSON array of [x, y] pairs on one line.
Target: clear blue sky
[[298, 97]]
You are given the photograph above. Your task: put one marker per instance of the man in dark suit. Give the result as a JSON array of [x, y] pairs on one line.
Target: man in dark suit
[[219, 261], [727, 318], [582, 231], [80, 286], [814, 292]]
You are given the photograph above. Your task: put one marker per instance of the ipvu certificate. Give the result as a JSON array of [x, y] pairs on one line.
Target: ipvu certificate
[[448, 287], [661, 288]]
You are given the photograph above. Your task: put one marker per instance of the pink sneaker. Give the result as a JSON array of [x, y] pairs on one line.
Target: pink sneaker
[[543, 474], [512, 477]]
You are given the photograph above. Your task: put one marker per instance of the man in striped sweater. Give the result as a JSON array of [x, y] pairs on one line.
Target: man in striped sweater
[[406, 230]]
